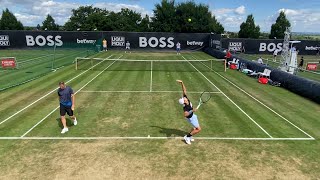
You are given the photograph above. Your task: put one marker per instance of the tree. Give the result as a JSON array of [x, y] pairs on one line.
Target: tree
[[248, 29], [164, 19], [9, 21], [38, 27], [128, 20], [144, 25], [278, 28], [49, 24], [184, 17], [86, 18]]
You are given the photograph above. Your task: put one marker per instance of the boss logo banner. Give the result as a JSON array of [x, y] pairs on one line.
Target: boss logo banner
[[270, 47], [154, 42], [118, 41], [4, 40], [43, 40], [235, 46]]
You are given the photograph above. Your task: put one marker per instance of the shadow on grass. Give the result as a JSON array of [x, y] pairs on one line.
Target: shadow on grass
[[69, 122], [170, 132]]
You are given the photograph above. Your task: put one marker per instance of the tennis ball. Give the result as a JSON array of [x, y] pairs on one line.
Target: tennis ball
[[189, 19]]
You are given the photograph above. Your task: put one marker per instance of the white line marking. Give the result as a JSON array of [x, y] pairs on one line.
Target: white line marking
[[151, 78], [74, 93], [27, 60], [43, 96], [154, 138], [229, 99], [261, 103], [189, 92]]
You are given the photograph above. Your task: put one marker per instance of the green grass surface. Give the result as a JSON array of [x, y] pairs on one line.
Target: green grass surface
[[106, 106], [32, 64]]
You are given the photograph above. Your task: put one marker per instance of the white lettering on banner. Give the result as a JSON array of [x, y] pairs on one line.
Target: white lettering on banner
[[235, 46], [85, 41], [194, 43], [4, 40], [42, 41], [312, 48], [118, 41], [270, 47], [154, 42]]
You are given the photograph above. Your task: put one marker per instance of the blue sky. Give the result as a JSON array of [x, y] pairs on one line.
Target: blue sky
[[304, 15]]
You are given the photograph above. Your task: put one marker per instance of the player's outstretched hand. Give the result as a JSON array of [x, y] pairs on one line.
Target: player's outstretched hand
[[179, 81]]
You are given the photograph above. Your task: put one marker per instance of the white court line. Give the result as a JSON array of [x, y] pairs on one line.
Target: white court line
[[151, 78], [230, 99], [261, 103], [27, 60], [74, 93], [189, 92], [155, 138], [43, 96]]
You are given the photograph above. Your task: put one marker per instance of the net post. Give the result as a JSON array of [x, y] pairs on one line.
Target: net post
[[76, 63], [225, 65]]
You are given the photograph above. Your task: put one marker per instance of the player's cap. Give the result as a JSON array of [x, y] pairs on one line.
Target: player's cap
[[181, 101]]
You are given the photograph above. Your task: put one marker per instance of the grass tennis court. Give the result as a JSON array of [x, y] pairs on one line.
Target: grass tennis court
[[131, 124]]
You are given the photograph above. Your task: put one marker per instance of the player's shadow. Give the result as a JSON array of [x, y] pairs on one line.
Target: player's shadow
[[170, 132], [69, 122]]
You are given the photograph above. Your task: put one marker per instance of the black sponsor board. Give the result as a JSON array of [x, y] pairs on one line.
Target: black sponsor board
[[268, 46], [115, 40]]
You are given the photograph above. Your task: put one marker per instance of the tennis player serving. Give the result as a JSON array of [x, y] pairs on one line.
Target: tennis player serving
[[189, 114]]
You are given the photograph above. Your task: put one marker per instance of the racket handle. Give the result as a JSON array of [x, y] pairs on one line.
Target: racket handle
[[198, 106]]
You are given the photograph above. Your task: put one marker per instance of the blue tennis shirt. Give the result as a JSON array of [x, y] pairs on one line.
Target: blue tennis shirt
[[65, 96]]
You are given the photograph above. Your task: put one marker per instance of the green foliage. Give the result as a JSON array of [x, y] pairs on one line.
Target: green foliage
[[248, 29], [278, 28], [86, 18], [49, 24], [169, 17], [9, 21], [164, 19]]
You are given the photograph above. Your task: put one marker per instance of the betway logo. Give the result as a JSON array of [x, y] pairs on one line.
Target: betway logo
[[85, 41], [194, 43]]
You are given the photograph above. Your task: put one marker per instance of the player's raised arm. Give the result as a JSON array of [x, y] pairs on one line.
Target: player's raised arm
[[184, 91]]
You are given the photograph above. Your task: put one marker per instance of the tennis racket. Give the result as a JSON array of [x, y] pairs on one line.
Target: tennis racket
[[204, 97]]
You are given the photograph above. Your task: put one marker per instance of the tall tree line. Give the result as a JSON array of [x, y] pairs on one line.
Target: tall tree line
[[168, 16]]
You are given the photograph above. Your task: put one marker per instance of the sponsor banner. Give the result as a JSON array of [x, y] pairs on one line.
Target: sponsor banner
[[8, 63], [312, 66], [268, 46], [4, 40], [118, 41], [235, 46]]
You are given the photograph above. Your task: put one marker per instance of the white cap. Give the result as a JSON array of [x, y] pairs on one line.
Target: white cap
[[181, 101]]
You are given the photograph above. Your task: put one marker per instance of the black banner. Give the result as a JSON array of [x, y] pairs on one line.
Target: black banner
[[268, 46], [149, 40]]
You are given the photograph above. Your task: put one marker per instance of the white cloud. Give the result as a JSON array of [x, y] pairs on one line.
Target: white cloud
[[31, 12], [302, 20], [230, 18], [240, 10]]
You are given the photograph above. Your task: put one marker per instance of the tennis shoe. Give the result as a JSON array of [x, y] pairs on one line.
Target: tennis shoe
[[191, 139], [75, 122], [187, 139], [64, 130]]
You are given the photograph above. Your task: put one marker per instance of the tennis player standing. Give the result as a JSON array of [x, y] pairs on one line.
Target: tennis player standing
[[189, 114], [178, 46], [127, 47], [66, 99]]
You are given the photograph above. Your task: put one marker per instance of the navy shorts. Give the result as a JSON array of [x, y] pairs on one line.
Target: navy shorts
[[65, 109]]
